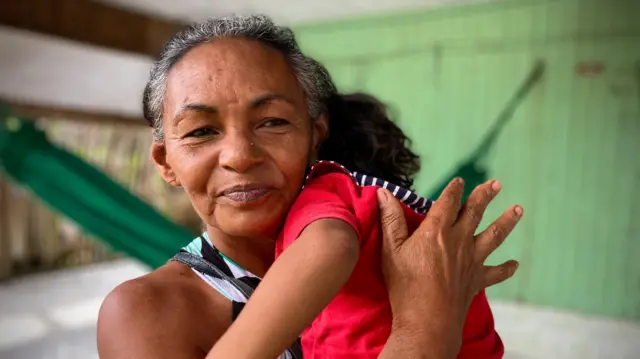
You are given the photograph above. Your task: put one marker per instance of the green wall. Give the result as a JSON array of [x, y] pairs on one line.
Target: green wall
[[570, 155]]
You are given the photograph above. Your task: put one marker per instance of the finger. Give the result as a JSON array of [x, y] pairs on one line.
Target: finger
[[445, 210], [498, 274], [394, 225], [475, 206], [492, 237]]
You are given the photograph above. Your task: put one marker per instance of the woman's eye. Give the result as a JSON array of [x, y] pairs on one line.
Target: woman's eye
[[274, 122], [202, 132]]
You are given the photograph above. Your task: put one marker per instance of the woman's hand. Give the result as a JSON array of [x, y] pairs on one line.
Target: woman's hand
[[434, 274]]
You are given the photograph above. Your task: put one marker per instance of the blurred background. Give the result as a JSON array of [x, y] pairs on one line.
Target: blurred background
[[541, 94]]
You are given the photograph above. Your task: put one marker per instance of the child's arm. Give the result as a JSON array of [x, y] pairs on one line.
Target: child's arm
[[297, 287]]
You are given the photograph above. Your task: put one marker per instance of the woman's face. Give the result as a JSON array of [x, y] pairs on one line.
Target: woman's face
[[238, 137]]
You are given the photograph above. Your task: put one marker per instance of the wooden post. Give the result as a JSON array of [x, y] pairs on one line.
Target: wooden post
[[6, 262], [46, 235]]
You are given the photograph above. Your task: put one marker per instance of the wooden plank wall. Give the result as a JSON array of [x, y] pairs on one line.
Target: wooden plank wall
[[569, 154]]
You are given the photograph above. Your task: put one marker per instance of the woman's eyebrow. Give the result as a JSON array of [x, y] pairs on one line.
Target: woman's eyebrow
[[193, 107], [255, 103], [269, 97]]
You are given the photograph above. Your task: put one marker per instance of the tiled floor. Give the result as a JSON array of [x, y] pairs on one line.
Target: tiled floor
[[53, 316]]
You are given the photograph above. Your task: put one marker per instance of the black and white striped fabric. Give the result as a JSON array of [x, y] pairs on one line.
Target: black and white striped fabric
[[225, 276], [237, 284], [412, 200]]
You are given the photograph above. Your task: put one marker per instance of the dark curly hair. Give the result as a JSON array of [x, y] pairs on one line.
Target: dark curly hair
[[362, 136]]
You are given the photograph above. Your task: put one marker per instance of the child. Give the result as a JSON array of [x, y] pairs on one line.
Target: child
[[357, 322], [327, 281]]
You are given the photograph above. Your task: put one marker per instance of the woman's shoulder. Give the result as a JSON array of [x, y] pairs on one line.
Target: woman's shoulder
[[144, 314], [152, 289]]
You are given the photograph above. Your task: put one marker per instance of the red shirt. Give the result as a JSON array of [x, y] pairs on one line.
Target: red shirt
[[357, 322]]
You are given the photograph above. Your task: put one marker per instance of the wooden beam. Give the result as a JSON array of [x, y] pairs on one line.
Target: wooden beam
[[6, 263], [38, 111], [89, 22]]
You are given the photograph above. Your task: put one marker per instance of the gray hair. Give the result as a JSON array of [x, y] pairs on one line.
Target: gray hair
[[314, 79]]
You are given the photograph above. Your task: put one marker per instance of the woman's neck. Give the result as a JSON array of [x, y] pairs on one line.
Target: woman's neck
[[254, 255]]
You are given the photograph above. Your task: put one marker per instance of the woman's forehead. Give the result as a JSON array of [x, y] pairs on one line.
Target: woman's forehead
[[231, 70]]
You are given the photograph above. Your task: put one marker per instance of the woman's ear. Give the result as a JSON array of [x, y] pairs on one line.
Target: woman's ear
[[159, 157], [320, 132]]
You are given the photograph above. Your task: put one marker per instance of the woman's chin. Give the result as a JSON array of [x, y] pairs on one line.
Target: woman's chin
[[257, 222]]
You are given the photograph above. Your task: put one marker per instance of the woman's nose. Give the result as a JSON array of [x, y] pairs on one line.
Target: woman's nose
[[239, 153]]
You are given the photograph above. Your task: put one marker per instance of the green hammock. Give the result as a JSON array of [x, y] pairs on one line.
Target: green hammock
[[474, 170], [85, 195]]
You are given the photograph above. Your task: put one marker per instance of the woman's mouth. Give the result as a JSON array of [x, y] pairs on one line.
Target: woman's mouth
[[245, 194]]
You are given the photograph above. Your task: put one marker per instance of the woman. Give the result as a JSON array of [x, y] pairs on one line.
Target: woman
[[237, 112]]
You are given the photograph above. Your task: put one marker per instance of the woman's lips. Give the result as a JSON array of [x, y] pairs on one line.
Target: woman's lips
[[246, 196]]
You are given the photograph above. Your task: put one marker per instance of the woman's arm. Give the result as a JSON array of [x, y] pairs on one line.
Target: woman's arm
[[411, 338], [297, 287]]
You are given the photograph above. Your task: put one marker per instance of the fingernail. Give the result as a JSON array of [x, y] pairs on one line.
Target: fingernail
[[459, 180], [518, 210], [515, 267], [496, 186]]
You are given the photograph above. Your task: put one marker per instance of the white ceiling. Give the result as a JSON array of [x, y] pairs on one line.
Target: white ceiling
[[288, 11], [52, 71]]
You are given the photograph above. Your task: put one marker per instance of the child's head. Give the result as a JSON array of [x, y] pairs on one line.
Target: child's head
[[238, 113], [363, 138]]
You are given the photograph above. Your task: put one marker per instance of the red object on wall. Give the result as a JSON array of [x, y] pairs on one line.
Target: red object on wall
[[589, 68]]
